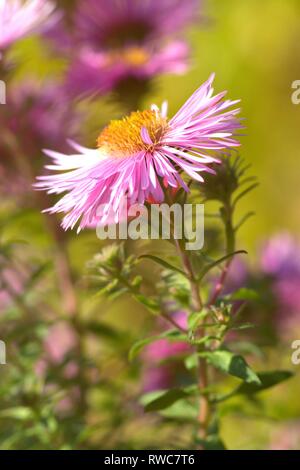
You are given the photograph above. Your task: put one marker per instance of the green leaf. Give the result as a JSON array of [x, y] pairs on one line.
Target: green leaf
[[108, 288], [216, 263], [243, 220], [165, 399], [163, 263], [151, 304], [231, 364], [243, 326], [203, 339], [170, 335], [267, 380], [181, 410], [191, 362], [244, 294], [102, 330], [246, 347], [212, 442], [243, 193], [21, 413], [195, 318], [37, 274], [137, 281]]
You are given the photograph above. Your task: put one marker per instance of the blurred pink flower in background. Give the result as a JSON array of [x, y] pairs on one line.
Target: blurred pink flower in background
[[37, 115], [161, 370], [11, 285], [135, 152], [111, 23], [103, 71], [280, 256], [58, 345], [287, 437], [276, 277], [60, 340], [111, 43], [280, 261], [11, 185], [238, 275], [19, 18]]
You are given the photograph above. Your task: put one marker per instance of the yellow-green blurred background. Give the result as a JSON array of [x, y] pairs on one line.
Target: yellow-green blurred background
[[254, 48]]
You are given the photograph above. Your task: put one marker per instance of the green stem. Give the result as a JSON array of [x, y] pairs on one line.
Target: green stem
[[227, 217], [196, 306], [134, 291]]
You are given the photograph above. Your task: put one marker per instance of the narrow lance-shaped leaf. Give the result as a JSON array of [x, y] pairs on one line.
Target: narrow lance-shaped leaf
[[21, 413], [231, 364], [170, 335], [216, 263], [163, 263], [162, 399], [212, 442], [243, 193], [166, 399], [267, 379], [244, 294]]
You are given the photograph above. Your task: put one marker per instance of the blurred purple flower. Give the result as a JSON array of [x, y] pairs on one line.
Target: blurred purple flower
[[40, 114], [19, 18], [11, 285], [60, 341], [159, 371], [280, 261], [102, 72], [113, 42], [114, 24], [238, 275], [280, 256], [37, 115]]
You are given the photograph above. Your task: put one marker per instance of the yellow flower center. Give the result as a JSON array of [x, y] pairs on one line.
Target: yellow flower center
[[133, 56], [122, 138]]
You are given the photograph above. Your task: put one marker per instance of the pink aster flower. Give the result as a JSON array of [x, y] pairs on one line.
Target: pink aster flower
[[104, 71], [116, 45], [19, 18], [111, 23], [139, 153]]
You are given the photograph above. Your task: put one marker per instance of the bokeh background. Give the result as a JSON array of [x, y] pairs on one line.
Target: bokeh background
[[254, 48]]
